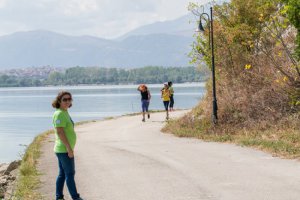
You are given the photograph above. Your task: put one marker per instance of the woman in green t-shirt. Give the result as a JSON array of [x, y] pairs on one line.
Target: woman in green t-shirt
[[65, 140]]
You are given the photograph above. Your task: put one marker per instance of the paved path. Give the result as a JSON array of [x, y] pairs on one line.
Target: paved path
[[126, 159]]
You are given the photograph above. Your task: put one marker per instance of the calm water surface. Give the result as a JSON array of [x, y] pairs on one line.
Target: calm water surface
[[26, 112]]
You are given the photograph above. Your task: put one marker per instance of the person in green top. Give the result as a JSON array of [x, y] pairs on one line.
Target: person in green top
[[65, 140], [171, 95]]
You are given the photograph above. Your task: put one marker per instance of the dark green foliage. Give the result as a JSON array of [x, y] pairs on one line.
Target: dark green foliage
[[293, 13], [13, 81], [96, 75]]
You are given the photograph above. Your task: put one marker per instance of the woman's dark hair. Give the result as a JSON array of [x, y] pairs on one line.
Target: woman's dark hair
[[57, 100], [170, 83]]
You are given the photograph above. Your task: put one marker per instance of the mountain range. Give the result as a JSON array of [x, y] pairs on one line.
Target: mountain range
[[162, 44]]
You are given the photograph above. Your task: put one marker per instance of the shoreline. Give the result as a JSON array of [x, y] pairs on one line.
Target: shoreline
[[20, 175], [8, 177], [131, 85]]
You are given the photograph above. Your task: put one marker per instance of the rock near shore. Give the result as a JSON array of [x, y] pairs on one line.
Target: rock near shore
[[8, 173]]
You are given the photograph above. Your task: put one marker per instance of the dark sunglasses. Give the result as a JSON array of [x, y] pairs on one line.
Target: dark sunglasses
[[66, 99]]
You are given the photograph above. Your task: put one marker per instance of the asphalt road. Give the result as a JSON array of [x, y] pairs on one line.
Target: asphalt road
[[126, 159]]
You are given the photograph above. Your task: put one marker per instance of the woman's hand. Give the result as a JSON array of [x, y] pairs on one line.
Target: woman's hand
[[71, 154]]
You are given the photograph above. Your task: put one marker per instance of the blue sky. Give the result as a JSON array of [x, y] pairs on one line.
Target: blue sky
[[101, 18]]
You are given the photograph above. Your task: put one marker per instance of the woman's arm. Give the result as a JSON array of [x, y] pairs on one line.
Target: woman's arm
[[62, 136], [149, 95]]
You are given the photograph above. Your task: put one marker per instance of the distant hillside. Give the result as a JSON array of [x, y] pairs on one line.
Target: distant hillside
[[159, 44], [168, 45], [182, 26]]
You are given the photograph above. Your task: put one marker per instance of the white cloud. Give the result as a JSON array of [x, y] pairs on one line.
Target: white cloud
[[78, 7], [102, 18], [2, 3]]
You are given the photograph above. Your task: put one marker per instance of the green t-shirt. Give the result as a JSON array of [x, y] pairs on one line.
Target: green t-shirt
[[61, 118], [171, 90]]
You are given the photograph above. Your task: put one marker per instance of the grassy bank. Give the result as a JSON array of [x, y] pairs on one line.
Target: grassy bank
[[28, 179], [281, 139]]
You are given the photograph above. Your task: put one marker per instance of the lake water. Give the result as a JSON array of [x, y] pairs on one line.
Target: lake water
[[26, 112]]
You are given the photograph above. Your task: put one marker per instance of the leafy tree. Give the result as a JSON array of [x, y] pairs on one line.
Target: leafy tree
[[292, 9], [257, 76], [55, 78]]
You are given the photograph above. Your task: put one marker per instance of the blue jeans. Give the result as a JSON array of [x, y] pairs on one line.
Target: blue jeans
[[66, 173]]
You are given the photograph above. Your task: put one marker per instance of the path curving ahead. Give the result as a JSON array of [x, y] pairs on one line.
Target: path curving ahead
[[126, 159]]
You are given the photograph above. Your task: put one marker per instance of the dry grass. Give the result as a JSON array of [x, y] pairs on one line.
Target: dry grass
[[282, 139], [28, 179]]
